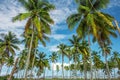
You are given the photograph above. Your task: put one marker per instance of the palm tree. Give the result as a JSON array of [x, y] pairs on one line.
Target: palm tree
[[84, 50], [62, 51], [2, 62], [114, 59], [8, 43], [69, 55], [90, 20], [67, 69], [53, 59], [38, 20], [98, 64], [106, 49], [14, 69], [75, 41], [41, 62], [57, 69], [22, 60], [9, 63]]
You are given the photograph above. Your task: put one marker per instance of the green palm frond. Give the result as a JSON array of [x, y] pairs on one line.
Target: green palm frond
[[28, 24], [38, 26], [72, 20], [21, 16], [105, 19], [100, 4], [91, 22]]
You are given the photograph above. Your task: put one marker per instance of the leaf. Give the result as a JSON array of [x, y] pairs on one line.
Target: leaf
[[72, 20], [38, 27], [105, 19], [21, 16], [91, 24], [28, 24], [118, 28]]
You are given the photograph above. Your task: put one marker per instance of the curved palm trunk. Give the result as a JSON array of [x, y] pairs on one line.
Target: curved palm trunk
[[107, 67], [13, 70], [28, 62], [33, 64]]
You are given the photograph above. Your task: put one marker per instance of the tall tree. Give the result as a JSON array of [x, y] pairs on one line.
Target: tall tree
[[38, 19], [62, 51], [41, 62], [9, 43], [69, 56], [90, 20], [53, 57], [75, 41]]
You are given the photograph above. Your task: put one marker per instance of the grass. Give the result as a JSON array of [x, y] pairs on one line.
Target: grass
[[5, 78]]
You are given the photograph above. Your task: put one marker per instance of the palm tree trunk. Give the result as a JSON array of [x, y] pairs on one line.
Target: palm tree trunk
[[69, 70], [114, 74], [52, 70], [29, 53], [91, 70], [33, 64], [85, 69], [107, 67], [62, 66], [75, 67], [44, 74], [13, 70], [1, 68]]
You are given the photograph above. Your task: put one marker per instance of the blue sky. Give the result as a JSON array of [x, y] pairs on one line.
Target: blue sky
[[60, 31]]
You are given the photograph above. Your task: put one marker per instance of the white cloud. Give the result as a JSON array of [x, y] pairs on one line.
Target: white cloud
[[53, 65], [53, 48], [114, 3], [58, 36], [9, 9], [60, 15]]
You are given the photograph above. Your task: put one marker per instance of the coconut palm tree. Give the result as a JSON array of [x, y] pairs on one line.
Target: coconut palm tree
[[2, 62], [53, 57], [115, 57], [22, 60], [97, 62], [62, 51], [39, 20], [69, 56], [14, 69], [66, 69], [106, 50], [41, 63], [8, 43], [84, 50], [75, 41], [90, 20], [9, 63], [57, 69]]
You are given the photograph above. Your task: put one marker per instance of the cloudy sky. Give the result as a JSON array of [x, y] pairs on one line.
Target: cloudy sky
[[60, 31]]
